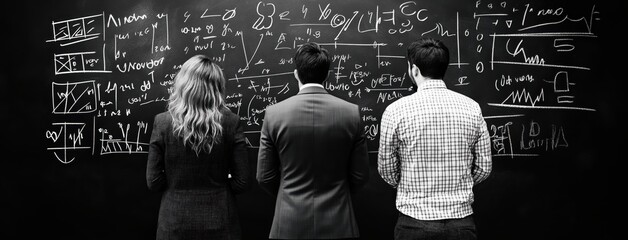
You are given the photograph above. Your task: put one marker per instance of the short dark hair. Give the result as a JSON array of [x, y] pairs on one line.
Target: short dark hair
[[431, 56], [312, 63]]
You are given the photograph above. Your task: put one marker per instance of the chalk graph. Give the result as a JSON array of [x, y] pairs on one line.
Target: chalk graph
[[518, 59]]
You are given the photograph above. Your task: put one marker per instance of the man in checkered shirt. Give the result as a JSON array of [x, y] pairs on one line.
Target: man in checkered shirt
[[434, 147]]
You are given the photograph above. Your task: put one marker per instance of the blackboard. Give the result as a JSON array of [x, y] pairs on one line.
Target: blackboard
[[82, 81]]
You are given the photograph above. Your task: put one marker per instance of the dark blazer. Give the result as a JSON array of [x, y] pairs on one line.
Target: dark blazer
[[198, 196], [312, 155]]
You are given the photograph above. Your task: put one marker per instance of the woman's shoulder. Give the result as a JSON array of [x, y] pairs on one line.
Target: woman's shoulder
[[228, 115], [230, 120], [163, 115], [162, 118]]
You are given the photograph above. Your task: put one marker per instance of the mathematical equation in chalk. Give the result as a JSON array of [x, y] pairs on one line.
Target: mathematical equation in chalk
[[113, 70]]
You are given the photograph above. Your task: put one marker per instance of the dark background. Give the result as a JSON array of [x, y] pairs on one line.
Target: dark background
[[566, 189]]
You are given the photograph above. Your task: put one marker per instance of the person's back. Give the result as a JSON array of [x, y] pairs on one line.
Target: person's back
[[444, 126], [314, 161], [195, 145], [434, 147], [312, 156], [187, 171]]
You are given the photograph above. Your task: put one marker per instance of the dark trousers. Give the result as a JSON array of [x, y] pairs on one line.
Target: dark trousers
[[449, 229]]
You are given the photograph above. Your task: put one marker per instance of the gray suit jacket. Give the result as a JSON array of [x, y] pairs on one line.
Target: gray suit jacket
[[312, 156]]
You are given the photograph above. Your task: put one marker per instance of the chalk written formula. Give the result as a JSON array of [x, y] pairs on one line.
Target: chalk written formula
[[526, 64]]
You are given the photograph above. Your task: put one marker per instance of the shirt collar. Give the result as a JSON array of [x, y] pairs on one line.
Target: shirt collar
[[431, 84], [311, 85]]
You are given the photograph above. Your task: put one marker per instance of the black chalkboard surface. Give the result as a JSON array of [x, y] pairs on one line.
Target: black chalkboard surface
[[83, 80]]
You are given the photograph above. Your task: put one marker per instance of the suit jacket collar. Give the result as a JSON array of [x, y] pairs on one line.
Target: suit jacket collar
[[312, 90]]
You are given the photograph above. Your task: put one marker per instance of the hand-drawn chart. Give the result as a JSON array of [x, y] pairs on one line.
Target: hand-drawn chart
[[521, 61]]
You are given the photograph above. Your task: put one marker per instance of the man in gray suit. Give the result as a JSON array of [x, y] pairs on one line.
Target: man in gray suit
[[313, 156]]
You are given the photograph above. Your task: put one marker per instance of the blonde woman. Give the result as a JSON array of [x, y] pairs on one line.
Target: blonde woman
[[197, 157]]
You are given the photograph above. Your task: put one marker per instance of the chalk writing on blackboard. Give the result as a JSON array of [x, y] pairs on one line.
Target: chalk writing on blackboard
[[116, 68]]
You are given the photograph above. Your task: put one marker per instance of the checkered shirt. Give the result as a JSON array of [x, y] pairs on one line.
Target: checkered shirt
[[434, 147]]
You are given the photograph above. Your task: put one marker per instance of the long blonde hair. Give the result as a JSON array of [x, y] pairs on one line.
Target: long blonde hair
[[196, 101]]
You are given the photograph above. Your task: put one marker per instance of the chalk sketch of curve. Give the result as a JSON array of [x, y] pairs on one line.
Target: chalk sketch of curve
[[587, 22], [69, 136]]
